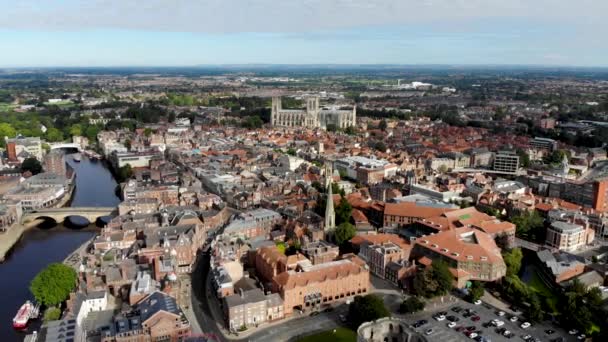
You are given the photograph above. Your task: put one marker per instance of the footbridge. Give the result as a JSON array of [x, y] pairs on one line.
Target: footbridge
[[60, 214], [65, 145]]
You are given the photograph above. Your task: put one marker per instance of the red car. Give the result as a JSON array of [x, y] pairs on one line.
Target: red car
[[475, 318]]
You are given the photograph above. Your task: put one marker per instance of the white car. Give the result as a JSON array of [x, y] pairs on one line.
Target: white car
[[473, 335], [440, 318], [498, 323], [581, 337], [573, 332], [513, 319], [525, 325], [451, 325], [428, 332], [477, 302], [506, 333], [500, 313]]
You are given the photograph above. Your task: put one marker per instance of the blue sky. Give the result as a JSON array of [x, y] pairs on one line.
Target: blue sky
[[183, 33]]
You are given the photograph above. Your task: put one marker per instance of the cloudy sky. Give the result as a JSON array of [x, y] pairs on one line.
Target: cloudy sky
[[190, 32]]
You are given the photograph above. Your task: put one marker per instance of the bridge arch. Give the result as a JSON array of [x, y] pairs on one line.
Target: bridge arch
[[66, 145], [91, 214]]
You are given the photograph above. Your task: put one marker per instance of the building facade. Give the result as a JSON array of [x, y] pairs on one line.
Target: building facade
[[313, 116]]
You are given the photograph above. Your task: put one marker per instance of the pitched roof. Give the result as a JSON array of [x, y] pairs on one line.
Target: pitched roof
[[319, 273], [463, 244], [412, 209]]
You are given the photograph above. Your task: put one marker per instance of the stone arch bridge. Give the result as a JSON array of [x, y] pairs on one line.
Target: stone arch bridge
[[60, 214]]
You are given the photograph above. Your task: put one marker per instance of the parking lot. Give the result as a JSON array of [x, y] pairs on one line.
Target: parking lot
[[482, 315]]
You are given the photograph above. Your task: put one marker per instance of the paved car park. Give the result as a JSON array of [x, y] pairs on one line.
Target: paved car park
[[478, 318]]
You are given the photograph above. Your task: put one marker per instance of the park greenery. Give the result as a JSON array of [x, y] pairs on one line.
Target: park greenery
[[433, 281], [366, 308], [53, 284]]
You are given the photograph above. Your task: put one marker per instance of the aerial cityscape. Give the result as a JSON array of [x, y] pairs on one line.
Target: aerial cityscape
[[204, 179]]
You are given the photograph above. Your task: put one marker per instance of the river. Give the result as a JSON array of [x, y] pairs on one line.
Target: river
[[38, 247]]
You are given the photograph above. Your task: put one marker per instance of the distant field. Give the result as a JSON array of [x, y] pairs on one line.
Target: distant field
[[60, 103], [6, 106], [341, 335]]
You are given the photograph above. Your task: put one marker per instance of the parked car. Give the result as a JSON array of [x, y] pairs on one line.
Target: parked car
[[525, 325], [452, 318], [573, 332], [500, 313], [428, 331], [451, 325], [475, 318], [513, 319], [477, 302]]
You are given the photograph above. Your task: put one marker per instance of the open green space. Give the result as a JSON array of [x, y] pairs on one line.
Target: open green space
[[340, 335], [4, 107]]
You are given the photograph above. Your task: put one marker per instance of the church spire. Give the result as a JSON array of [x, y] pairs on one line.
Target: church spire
[[330, 214]]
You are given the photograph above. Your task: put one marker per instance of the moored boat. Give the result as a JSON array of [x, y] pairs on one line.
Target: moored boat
[[26, 311]]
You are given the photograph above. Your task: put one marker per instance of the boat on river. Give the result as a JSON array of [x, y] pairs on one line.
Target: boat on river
[[26, 312], [77, 158]]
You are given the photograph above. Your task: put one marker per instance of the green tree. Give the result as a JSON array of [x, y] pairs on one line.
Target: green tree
[[530, 225], [524, 158], [32, 165], [424, 284], [6, 130], [443, 276], [76, 130], [442, 169], [52, 314], [411, 305], [53, 135], [53, 285], [513, 259], [365, 309], [91, 132], [128, 144], [380, 146], [147, 132], [382, 125], [476, 291], [343, 211], [344, 232], [125, 172], [535, 310]]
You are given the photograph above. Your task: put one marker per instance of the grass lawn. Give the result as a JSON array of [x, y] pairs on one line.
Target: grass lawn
[[341, 335]]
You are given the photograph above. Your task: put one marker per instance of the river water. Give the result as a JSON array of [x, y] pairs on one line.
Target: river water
[[95, 186]]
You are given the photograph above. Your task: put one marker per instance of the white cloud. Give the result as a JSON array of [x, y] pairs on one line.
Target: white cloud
[[227, 16]]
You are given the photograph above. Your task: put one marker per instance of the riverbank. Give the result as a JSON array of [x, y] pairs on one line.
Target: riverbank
[[14, 233], [73, 260]]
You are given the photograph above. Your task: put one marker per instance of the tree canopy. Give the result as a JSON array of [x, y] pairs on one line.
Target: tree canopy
[[53, 284], [365, 309], [530, 226], [411, 305], [32, 165], [343, 211], [344, 232], [433, 281]]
